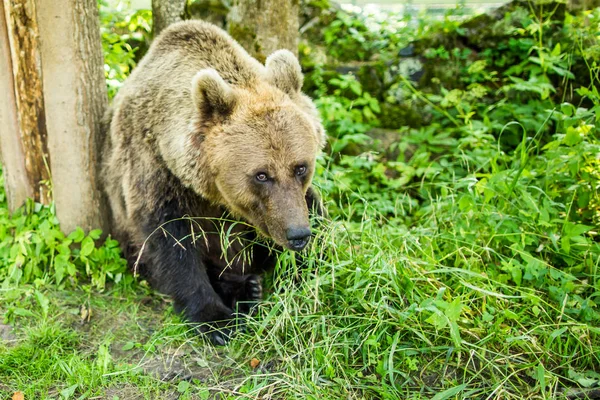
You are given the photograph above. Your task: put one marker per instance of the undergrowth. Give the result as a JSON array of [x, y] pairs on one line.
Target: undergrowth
[[459, 260]]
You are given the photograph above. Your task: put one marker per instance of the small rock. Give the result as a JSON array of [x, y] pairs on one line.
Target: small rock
[[7, 334]]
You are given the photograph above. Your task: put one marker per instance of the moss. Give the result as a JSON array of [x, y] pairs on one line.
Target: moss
[[246, 36], [214, 11], [241, 33]]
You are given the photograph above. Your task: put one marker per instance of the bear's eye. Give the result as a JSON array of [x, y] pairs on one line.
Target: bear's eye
[[300, 170], [262, 177]]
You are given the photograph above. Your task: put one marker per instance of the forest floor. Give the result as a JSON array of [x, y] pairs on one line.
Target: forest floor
[[462, 262], [64, 350]]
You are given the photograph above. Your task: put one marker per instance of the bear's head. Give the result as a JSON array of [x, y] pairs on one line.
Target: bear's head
[[259, 141]]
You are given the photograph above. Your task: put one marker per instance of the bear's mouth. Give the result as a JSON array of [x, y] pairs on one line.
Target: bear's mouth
[[264, 231]]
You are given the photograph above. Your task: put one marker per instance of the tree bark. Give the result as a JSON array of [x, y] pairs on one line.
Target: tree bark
[[76, 97], [262, 27], [165, 13], [11, 149], [22, 113]]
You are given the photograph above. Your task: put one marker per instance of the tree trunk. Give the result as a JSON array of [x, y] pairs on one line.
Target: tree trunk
[[17, 184], [22, 114], [76, 98], [262, 27], [165, 13]]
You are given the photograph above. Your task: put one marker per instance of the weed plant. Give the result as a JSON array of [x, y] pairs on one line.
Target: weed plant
[[460, 262]]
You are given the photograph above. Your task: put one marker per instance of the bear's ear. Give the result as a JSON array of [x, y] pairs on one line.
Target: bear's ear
[[211, 94], [284, 72]]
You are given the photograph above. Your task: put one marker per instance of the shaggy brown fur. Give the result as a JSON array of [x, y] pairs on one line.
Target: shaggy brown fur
[[200, 129]]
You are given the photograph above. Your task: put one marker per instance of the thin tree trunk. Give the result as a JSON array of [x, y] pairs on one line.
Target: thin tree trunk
[[23, 134], [16, 180], [76, 98], [262, 27], [165, 13]]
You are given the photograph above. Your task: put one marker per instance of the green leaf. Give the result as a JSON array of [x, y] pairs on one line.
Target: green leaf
[[565, 244], [576, 229], [587, 382], [572, 137], [517, 275], [87, 246], [556, 51], [95, 234], [374, 104], [455, 334], [557, 332], [438, 320], [59, 269], [128, 346], [510, 315], [43, 302], [103, 357], [541, 377], [23, 312], [77, 235], [454, 309], [183, 386], [487, 317], [68, 392], [64, 249], [446, 394], [465, 203], [355, 87], [567, 109]]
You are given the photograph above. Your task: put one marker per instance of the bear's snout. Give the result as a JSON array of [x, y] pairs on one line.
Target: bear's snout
[[298, 238]]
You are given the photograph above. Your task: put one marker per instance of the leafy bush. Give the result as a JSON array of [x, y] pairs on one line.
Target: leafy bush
[[125, 37], [34, 250], [32, 247]]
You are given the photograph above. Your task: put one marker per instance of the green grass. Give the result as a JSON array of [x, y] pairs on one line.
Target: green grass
[[462, 262], [382, 316]]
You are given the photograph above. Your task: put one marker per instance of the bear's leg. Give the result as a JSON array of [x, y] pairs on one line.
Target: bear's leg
[[243, 291], [177, 269]]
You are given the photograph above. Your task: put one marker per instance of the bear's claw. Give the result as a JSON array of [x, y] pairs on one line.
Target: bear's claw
[[254, 290], [219, 338]]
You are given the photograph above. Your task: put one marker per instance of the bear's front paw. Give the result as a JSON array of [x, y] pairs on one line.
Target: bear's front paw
[[211, 318], [254, 291], [219, 332], [219, 336]]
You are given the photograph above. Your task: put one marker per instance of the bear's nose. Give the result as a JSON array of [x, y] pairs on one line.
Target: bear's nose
[[298, 238]]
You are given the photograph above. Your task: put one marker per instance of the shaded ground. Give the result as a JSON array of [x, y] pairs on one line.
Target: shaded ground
[[115, 345]]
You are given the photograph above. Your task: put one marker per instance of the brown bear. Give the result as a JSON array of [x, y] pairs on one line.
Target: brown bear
[[208, 151]]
